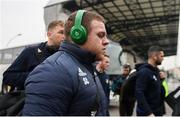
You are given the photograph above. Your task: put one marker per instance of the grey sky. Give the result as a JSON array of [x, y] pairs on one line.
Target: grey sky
[[23, 17]]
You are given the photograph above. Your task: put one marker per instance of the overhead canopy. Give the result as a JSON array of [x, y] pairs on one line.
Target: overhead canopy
[[137, 24]]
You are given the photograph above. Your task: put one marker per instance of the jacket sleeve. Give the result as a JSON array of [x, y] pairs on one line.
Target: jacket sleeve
[[49, 91], [140, 89], [16, 74]]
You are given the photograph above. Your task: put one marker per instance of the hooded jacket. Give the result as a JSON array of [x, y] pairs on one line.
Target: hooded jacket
[[65, 84], [148, 90]]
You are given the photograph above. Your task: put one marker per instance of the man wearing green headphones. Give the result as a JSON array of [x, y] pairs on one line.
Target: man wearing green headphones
[[66, 83]]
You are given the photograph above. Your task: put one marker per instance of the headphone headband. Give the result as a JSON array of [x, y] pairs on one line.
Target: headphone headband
[[78, 32], [78, 18]]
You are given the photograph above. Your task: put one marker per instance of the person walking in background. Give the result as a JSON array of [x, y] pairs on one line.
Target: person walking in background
[[118, 81], [101, 68], [148, 84], [66, 83], [30, 57], [117, 84], [127, 94]]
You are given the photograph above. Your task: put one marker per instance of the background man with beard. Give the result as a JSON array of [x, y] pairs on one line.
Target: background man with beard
[[30, 57], [148, 84]]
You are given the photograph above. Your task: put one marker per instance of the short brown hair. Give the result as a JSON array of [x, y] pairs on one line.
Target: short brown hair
[[127, 66], [55, 23], [154, 49], [88, 17]]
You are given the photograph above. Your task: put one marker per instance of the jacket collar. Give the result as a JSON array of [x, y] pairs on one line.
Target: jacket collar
[[80, 54], [47, 49], [149, 66]]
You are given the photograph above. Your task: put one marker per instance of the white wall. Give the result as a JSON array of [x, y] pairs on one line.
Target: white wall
[[2, 69]]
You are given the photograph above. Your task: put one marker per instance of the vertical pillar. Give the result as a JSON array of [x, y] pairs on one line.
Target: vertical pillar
[[178, 47], [1, 24]]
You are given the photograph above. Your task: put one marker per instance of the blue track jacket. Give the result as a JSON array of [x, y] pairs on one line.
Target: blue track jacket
[[65, 84]]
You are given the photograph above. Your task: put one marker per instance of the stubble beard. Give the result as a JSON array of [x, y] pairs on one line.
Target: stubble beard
[[158, 62]]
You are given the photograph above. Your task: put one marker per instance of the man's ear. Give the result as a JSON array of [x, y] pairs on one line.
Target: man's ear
[[155, 57]]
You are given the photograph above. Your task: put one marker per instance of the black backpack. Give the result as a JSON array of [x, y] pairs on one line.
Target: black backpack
[[127, 95], [173, 100], [12, 101], [11, 104]]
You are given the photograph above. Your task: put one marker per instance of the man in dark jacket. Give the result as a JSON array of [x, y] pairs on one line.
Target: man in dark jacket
[[32, 56], [101, 68], [148, 84], [123, 105], [66, 83], [118, 81]]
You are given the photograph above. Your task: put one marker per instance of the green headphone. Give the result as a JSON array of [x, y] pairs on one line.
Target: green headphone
[[78, 32]]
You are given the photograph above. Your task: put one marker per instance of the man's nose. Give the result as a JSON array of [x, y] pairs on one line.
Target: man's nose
[[106, 41], [63, 37]]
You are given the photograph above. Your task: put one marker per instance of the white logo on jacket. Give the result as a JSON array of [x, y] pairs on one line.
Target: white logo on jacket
[[83, 74], [154, 77], [39, 50], [86, 82]]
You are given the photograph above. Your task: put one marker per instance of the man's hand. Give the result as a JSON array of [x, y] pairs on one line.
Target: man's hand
[[99, 67], [162, 75]]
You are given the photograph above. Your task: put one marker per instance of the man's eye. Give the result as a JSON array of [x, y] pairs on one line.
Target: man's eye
[[61, 32], [101, 35]]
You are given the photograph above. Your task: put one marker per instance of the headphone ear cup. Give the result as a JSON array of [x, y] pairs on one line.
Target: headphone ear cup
[[78, 34]]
